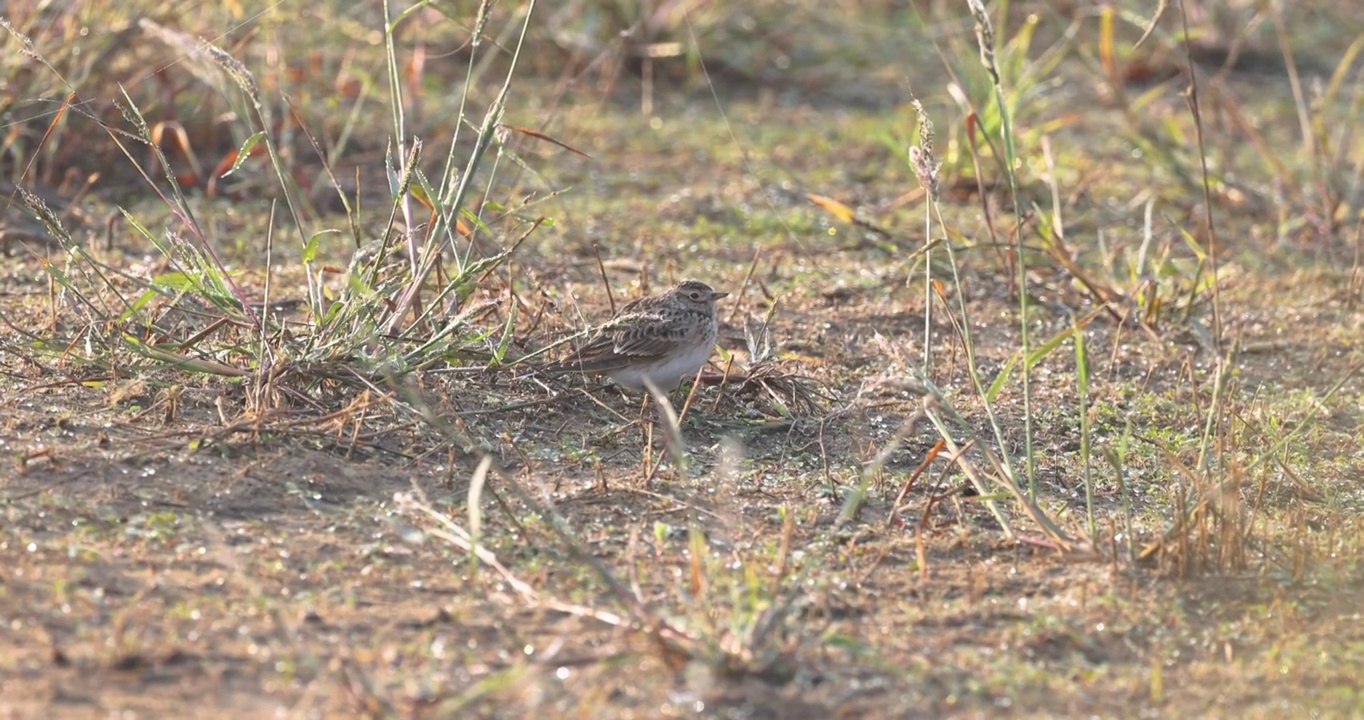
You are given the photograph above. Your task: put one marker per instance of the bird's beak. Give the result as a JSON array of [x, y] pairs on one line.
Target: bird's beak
[[716, 295]]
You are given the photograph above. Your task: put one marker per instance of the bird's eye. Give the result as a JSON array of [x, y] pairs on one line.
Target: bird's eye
[[695, 295]]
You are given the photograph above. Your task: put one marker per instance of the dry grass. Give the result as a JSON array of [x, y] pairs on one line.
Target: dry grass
[[250, 476]]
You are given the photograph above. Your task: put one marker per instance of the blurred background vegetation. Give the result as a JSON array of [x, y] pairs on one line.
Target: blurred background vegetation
[[321, 69]]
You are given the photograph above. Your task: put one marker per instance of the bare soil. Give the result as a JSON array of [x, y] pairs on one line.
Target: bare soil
[[165, 552]]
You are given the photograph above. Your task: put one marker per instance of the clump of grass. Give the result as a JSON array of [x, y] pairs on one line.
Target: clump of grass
[[789, 392], [1000, 474], [1214, 533], [200, 316]]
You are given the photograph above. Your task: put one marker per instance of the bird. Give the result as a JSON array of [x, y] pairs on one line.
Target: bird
[[659, 340]]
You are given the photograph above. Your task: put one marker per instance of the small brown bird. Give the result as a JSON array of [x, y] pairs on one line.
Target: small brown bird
[[664, 338]]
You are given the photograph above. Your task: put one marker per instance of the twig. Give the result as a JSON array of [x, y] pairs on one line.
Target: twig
[[596, 250], [914, 476]]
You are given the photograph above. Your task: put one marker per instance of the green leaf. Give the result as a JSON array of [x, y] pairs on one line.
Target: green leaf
[[1034, 357], [391, 172], [199, 365], [1002, 378], [471, 217], [139, 227], [244, 152], [177, 281], [310, 248], [421, 189], [506, 336], [60, 276], [135, 307]]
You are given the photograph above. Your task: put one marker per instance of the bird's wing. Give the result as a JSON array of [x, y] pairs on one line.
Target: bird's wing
[[624, 340], [645, 335], [639, 304]]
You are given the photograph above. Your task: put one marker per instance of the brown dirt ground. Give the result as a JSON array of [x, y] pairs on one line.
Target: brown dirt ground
[[163, 552]]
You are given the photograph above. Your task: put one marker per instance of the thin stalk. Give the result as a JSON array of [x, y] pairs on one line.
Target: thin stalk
[[1082, 391], [395, 102], [1006, 130]]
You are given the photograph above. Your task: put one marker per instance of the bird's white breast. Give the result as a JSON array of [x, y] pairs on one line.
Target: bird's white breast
[[668, 372]]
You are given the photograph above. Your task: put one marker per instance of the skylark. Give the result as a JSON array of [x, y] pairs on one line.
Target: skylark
[[665, 338]]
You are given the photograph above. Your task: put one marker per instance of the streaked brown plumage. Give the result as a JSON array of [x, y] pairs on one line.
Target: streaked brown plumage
[[665, 338]]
